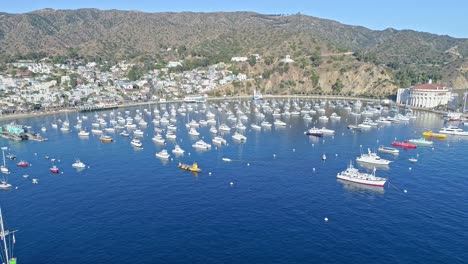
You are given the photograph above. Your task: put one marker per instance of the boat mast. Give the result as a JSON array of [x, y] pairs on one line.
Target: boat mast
[[3, 237], [3, 152]]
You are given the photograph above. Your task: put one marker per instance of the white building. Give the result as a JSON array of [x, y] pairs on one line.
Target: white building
[[427, 95], [239, 59], [287, 59]]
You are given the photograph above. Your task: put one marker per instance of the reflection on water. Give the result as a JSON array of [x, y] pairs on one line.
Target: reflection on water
[[356, 187]]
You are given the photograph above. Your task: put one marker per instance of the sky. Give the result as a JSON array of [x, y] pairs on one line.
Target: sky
[[448, 17]]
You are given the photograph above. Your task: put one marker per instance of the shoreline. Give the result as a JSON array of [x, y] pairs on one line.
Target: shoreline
[[10, 117]]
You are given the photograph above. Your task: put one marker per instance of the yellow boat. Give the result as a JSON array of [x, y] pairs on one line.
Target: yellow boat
[[429, 134], [193, 168]]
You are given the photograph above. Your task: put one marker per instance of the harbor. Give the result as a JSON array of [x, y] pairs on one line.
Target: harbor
[[277, 160]]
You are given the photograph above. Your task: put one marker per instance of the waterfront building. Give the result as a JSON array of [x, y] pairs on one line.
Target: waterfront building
[[428, 95]]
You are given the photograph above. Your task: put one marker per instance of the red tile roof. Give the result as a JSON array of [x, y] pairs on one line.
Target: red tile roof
[[430, 86]]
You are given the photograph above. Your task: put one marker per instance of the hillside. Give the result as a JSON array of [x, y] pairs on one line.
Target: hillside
[[390, 57]]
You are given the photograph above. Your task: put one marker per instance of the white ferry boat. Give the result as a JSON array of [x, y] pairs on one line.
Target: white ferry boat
[[352, 174]]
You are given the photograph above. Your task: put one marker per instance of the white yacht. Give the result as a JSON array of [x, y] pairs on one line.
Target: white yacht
[[256, 127], [266, 124], [352, 174], [239, 137], [83, 133], [453, 130], [193, 132], [279, 123], [213, 130], [136, 143], [178, 150], [224, 128], [163, 155], [372, 158], [158, 139], [327, 131], [78, 165], [200, 144], [219, 141], [334, 116], [171, 135], [138, 133]]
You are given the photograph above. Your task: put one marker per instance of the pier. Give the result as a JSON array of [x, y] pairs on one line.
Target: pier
[[87, 108]]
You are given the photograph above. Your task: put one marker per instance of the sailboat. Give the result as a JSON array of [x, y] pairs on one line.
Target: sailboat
[[3, 168], [7, 253]]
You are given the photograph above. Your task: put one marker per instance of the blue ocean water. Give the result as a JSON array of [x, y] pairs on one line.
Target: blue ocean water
[[128, 206]]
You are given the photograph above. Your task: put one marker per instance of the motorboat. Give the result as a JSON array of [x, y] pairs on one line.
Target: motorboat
[[404, 144], [193, 168], [239, 137], [256, 127], [54, 169], [83, 133], [430, 134], [372, 158], [390, 150], [213, 130], [158, 139], [136, 143], [193, 132], [352, 174], [78, 165], [266, 124], [200, 144], [420, 142], [314, 132], [22, 164], [163, 154], [106, 139], [219, 140], [171, 135], [178, 150], [125, 134], [334, 116], [138, 133], [453, 130], [279, 123], [326, 131], [224, 128]]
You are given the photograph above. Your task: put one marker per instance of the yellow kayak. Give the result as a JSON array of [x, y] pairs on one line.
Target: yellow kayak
[[430, 134]]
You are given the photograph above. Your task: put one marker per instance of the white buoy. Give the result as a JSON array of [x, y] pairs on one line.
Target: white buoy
[[231, 183], [248, 164], [313, 169], [189, 153], [209, 173], [16, 187], [336, 155], [274, 155], [405, 191], [325, 219], [294, 150], [313, 145], [410, 168]]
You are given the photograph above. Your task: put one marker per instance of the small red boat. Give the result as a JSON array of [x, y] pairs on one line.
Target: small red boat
[[23, 164], [54, 169], [404, 144]]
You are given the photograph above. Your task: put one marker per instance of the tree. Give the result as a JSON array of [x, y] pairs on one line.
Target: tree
[[337, 86], [315, 59], [252, 60]]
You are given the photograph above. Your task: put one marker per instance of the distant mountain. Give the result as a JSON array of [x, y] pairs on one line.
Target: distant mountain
[[404, 56]]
